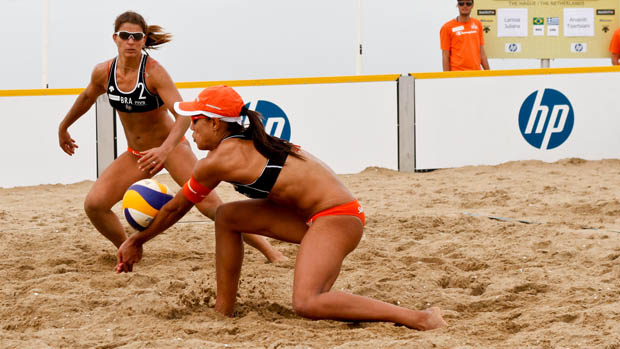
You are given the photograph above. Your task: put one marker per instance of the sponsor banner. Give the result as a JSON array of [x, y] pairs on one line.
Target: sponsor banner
[[511, 118], [513, 47], [350, 126], [579, 47], [609, 12]]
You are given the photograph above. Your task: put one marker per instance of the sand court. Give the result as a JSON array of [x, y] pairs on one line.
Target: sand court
[[523, 254]]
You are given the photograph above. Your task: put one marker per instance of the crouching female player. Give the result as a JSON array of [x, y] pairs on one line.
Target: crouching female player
[[294, 197]]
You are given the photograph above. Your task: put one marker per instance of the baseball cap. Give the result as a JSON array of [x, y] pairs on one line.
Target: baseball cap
[[221, 102]]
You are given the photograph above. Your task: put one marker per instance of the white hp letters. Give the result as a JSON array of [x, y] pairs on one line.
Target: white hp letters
[[278, 123], [271, 123], [559, 109]]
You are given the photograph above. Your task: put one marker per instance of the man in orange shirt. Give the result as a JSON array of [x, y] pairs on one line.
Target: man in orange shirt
[[614, 47], [462, 43]]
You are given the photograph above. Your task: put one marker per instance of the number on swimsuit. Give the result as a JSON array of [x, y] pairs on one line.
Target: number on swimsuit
[[141, 86]]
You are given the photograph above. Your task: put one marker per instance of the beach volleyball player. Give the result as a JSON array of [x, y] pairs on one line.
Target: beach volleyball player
[[294, 197], [142, 93]]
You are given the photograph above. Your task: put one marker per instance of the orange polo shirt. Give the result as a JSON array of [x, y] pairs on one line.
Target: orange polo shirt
[[614, 46], [463, 40]]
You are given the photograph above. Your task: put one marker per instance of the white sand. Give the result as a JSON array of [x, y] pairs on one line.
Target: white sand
[[502, 284]]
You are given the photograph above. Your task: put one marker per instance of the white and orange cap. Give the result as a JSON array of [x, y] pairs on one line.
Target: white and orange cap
[[220, 102]]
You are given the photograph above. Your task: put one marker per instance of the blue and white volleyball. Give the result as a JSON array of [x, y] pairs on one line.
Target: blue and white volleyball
[[142, 201]]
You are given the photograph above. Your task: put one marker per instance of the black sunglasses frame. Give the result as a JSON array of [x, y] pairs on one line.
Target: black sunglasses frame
[[466, 3]]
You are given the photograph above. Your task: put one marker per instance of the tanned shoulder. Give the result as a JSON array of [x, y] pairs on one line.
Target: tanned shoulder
[[99, 79], [157, 77]]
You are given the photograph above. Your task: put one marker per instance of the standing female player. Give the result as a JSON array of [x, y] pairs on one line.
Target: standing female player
[[294, 197], [142, 92]]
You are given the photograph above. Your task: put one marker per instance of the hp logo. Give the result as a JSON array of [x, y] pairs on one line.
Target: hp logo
[[513, 48], [275, 120], [546, 119], [579, 47]]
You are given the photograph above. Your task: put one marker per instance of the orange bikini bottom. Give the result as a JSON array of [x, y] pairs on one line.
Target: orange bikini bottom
[[352, 208]]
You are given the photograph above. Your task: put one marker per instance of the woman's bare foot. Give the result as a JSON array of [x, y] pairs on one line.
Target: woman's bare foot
[[275, 256]]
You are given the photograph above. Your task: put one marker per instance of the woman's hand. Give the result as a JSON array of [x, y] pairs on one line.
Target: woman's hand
[[153, 160], [128, 254], [67, 144]]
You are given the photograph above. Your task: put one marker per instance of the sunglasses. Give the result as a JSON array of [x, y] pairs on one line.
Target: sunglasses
[[197, 117], [124, 35], [465, 3]]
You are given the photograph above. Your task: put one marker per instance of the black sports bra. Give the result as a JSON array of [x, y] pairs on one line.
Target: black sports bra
[[139, 99], [261, 187]]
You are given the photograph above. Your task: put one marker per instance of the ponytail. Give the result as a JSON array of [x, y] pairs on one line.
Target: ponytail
[[155, 36], [267, 145]]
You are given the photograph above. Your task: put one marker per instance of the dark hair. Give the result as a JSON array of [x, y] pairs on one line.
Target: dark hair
[[264, 143], [154, 33]]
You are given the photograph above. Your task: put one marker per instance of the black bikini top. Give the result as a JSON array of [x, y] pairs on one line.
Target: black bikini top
[[138, 100], [261, 187]]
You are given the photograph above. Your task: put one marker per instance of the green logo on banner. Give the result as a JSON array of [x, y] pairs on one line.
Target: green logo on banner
[[539, 21]]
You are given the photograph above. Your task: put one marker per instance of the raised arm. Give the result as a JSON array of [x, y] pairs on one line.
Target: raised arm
[[82, 104]]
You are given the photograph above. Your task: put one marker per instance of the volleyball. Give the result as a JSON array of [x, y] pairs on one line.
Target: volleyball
[[142, 201]]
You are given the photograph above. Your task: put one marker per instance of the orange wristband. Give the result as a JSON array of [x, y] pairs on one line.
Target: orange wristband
[[194, 191]]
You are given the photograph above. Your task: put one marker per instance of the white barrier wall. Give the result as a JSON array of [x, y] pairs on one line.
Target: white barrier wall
[[446, 120], [29, 150], [350, 126], [476, 120]]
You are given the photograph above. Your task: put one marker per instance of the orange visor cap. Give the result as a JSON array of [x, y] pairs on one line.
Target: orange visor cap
[[221, 102]]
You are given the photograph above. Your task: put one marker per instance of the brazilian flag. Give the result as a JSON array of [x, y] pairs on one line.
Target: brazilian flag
[[539, 20]]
